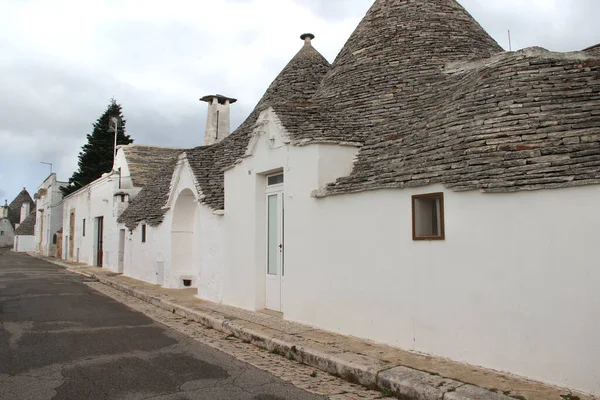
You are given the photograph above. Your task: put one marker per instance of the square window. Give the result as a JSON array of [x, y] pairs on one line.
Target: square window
[[428, 216], [144, 233]]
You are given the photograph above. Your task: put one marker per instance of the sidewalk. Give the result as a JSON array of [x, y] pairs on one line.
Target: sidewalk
[[391, 370]]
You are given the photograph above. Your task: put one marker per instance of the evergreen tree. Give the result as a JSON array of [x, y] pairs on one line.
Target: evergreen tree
[[96, 156]]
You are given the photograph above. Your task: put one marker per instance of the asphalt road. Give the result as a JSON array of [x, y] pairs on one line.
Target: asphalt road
[[60, 339]]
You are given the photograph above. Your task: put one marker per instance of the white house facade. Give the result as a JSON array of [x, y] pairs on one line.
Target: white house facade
[[24, 241], [49, 206], [91, 234], [427, 190], [12, 215]]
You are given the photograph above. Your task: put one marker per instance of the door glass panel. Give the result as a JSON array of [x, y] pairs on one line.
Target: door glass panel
[[272, 245]]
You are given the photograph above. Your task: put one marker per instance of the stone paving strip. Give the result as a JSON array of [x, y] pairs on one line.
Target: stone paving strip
[[388, 370]]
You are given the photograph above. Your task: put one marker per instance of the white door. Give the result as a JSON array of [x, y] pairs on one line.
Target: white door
[[275, 267]]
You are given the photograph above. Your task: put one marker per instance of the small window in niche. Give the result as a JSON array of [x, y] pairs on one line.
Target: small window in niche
[[54, 238], [275, 179], [144, 233], [428, 216]]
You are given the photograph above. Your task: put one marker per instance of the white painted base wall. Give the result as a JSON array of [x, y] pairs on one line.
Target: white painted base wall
[[24, 244], [514, 286]]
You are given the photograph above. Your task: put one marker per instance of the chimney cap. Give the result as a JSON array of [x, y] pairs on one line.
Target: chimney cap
[[307, 37], [220, 98]]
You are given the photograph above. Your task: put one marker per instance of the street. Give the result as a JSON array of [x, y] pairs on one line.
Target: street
[[61, 339]]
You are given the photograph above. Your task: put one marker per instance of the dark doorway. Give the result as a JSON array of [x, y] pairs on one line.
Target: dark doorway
[[100, 232]]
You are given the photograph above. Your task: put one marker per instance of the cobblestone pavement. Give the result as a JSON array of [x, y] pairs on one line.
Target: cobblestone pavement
[[301, 376]]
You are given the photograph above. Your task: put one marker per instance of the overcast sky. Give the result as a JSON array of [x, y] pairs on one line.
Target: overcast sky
[[62, 60]]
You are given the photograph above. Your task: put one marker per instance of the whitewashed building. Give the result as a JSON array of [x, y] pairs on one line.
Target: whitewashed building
[[91, 234], [24, 241], [11, 216], [49, 205], [427, 190]]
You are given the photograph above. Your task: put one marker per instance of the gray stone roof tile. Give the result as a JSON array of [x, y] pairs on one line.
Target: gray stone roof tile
[[144, 161], [27, 227], [14, 208], [294, 85]]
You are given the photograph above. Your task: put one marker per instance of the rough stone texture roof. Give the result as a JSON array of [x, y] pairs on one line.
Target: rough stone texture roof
[[431, 98], [27, 227], [392, 57], [295, 84], [14, 208], [518, 121], [593, 50], [144, 161]]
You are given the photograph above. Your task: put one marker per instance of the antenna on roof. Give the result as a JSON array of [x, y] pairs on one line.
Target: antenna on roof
[[509, 43], [47, 163]]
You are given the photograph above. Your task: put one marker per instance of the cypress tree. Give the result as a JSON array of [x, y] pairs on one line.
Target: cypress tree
[[96, 156]]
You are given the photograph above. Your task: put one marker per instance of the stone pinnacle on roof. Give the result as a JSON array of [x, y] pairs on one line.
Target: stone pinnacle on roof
[[300, 77]]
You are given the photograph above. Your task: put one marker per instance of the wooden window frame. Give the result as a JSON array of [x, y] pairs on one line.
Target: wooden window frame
[[143, 233], [442, 235]]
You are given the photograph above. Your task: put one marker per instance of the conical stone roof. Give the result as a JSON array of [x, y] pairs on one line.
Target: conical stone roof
[[399, 41], [14, 212]]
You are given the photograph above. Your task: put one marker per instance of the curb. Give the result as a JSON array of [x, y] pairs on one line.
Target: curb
[[399, 381]]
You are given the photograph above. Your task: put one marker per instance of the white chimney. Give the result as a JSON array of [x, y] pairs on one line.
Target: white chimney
[[5, 209], [217, 119], [24, 211]]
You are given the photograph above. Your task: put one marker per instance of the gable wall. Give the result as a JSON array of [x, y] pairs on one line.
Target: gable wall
[[304, 169], [51, 204], [143, 260]]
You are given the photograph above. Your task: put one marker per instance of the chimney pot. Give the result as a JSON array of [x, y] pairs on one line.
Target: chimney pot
[[217, 119], [307, 37]]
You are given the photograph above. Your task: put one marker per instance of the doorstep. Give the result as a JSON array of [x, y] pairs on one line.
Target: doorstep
[[406, 374]]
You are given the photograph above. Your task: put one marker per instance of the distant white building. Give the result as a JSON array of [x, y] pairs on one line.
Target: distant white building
[[90, 231], [49, 215], [11, 216]]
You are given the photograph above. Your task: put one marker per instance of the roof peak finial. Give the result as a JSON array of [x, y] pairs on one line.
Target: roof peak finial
[[307, 37]]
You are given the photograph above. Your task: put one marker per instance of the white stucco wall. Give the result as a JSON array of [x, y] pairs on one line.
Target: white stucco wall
[[100, 198], [513, 287], [24, 243], [305, 168], [93, 201], [144, 260], [8, 235], [52, 208]]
